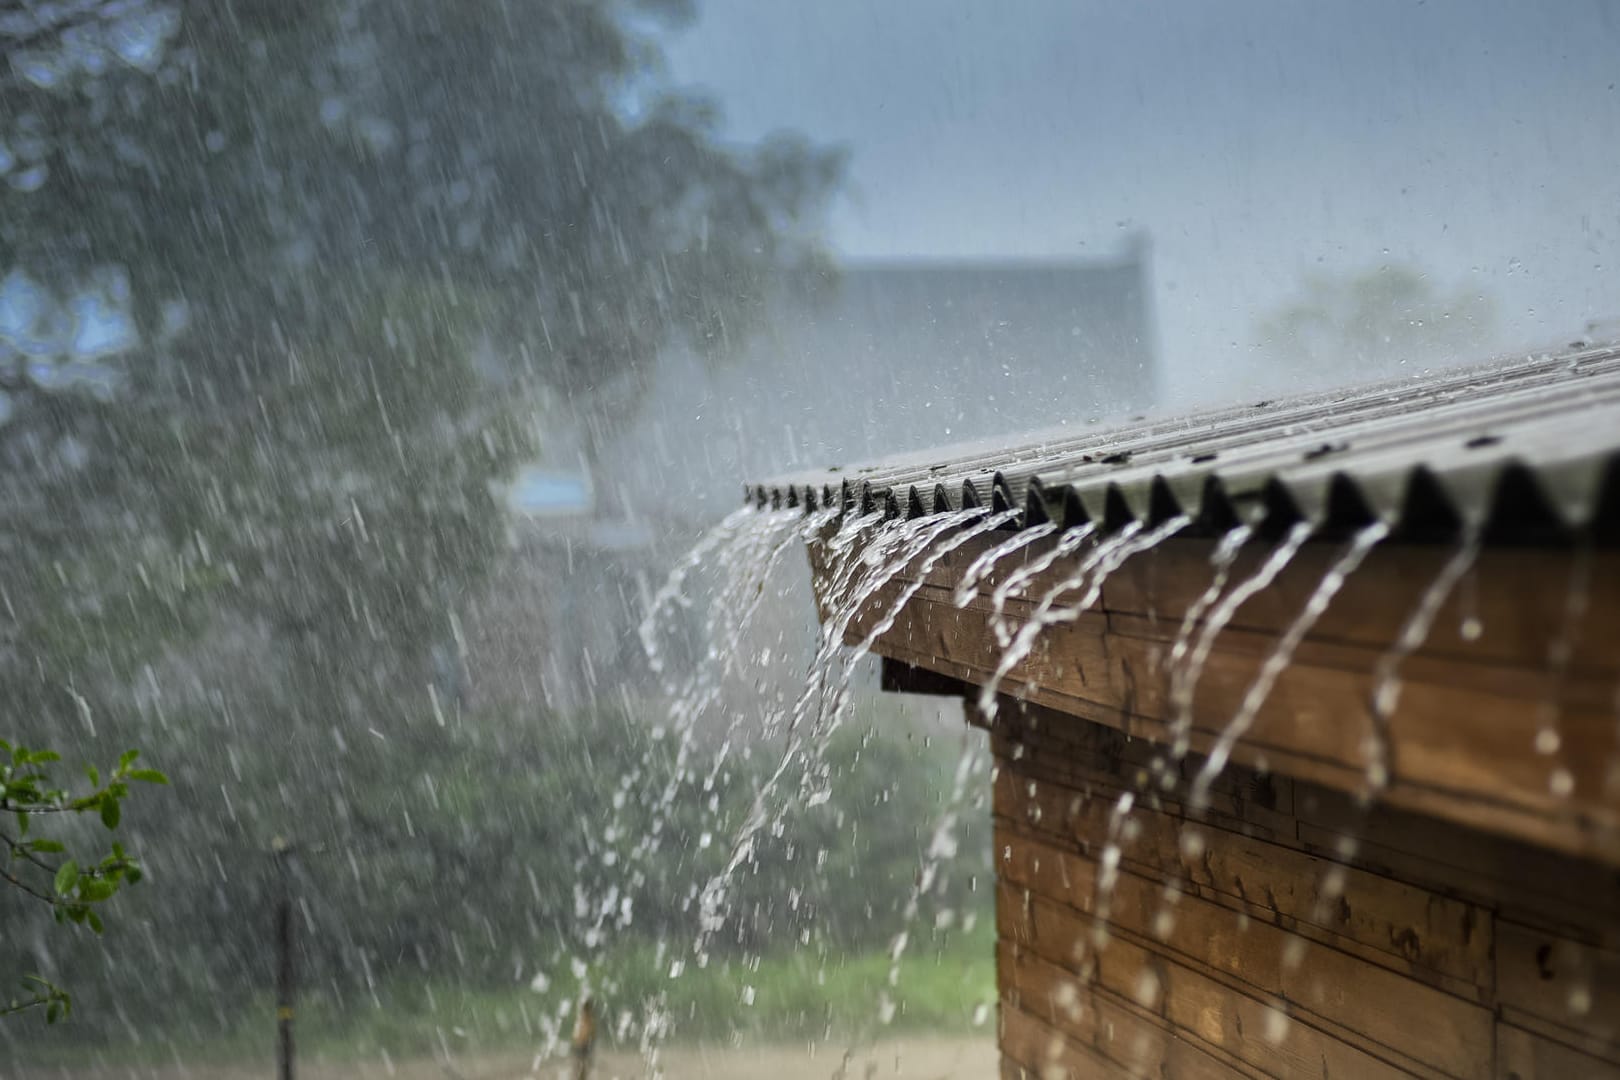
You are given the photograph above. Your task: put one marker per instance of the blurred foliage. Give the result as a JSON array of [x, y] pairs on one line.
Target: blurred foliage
[[365, 243], [474, 875], [950, 985], [1376, 321]]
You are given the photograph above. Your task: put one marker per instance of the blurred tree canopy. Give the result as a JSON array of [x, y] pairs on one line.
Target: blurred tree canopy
[[348, 250], [1375, 321]]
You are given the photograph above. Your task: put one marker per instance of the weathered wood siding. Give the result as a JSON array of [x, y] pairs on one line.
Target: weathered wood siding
[[1287, 933], [1467, 925], [1514, 729]]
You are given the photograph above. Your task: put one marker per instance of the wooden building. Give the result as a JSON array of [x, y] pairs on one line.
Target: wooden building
[[1421, 884]]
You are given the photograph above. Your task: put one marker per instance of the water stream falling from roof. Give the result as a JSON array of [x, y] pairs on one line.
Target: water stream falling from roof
[[986, 562], [864, 555], [670, 592], [871, 566], [956, 533], [745, 547], [1067, 544], [1386, 682], [1549, 739], [1221, 559], [1184, 680], [1281, 655], [1094, 569]]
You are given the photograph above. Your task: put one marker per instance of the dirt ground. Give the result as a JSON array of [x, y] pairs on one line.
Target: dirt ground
[[919, 1058]]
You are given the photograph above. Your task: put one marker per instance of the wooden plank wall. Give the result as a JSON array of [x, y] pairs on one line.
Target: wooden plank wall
[[1286, 933], [1467, 925], [1489, 732]]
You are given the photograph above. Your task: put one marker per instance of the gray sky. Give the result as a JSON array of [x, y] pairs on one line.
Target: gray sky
[[1256, 141]]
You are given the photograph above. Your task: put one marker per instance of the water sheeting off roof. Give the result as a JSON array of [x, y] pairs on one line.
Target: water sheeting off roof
[[1528, 449]]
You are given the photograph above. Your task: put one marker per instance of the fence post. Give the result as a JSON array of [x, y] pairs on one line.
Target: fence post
[[285, 975]]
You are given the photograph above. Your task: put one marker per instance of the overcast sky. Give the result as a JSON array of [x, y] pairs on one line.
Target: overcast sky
[[1255, 141]]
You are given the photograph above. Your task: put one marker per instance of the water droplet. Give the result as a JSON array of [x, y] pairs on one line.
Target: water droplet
[[1147, 989], [886, 1009], [1471, 628], [1548, 741], [1561, 783], [1276, 1029]]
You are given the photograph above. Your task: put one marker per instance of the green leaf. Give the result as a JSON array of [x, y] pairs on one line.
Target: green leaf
[[94, 774], [66, 877], [95, 922], [127, 759], [150, 776], [94, 890], [50, 847], [110, 813]]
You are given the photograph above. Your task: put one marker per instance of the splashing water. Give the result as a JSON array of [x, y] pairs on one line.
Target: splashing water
[[1281, 656], [941, 847], [957, 531], [752, 563], [1185, 681], [746, 547], [1386, 685], [886, 622], [670, 592], [858, 576]]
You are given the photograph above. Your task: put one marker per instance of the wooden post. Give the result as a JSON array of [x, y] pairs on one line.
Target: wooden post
[[285, 974]]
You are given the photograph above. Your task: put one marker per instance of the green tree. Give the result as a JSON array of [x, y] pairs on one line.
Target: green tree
[[361, 245], [1373, 323]]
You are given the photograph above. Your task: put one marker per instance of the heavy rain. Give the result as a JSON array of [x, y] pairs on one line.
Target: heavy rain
[[725, 538]]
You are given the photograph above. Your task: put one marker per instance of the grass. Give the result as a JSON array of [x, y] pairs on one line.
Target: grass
[[946, 982]]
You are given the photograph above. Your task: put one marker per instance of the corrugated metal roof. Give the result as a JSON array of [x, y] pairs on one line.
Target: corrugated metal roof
[[1528, 449]]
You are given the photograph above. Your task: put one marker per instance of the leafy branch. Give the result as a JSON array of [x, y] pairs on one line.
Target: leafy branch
[[57, 1002], [70, 887]]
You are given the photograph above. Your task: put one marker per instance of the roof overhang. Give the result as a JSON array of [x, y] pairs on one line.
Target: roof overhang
[[1521, 449]]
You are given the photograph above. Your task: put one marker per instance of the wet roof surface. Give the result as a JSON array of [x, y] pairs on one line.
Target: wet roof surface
[[1528, 449]]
